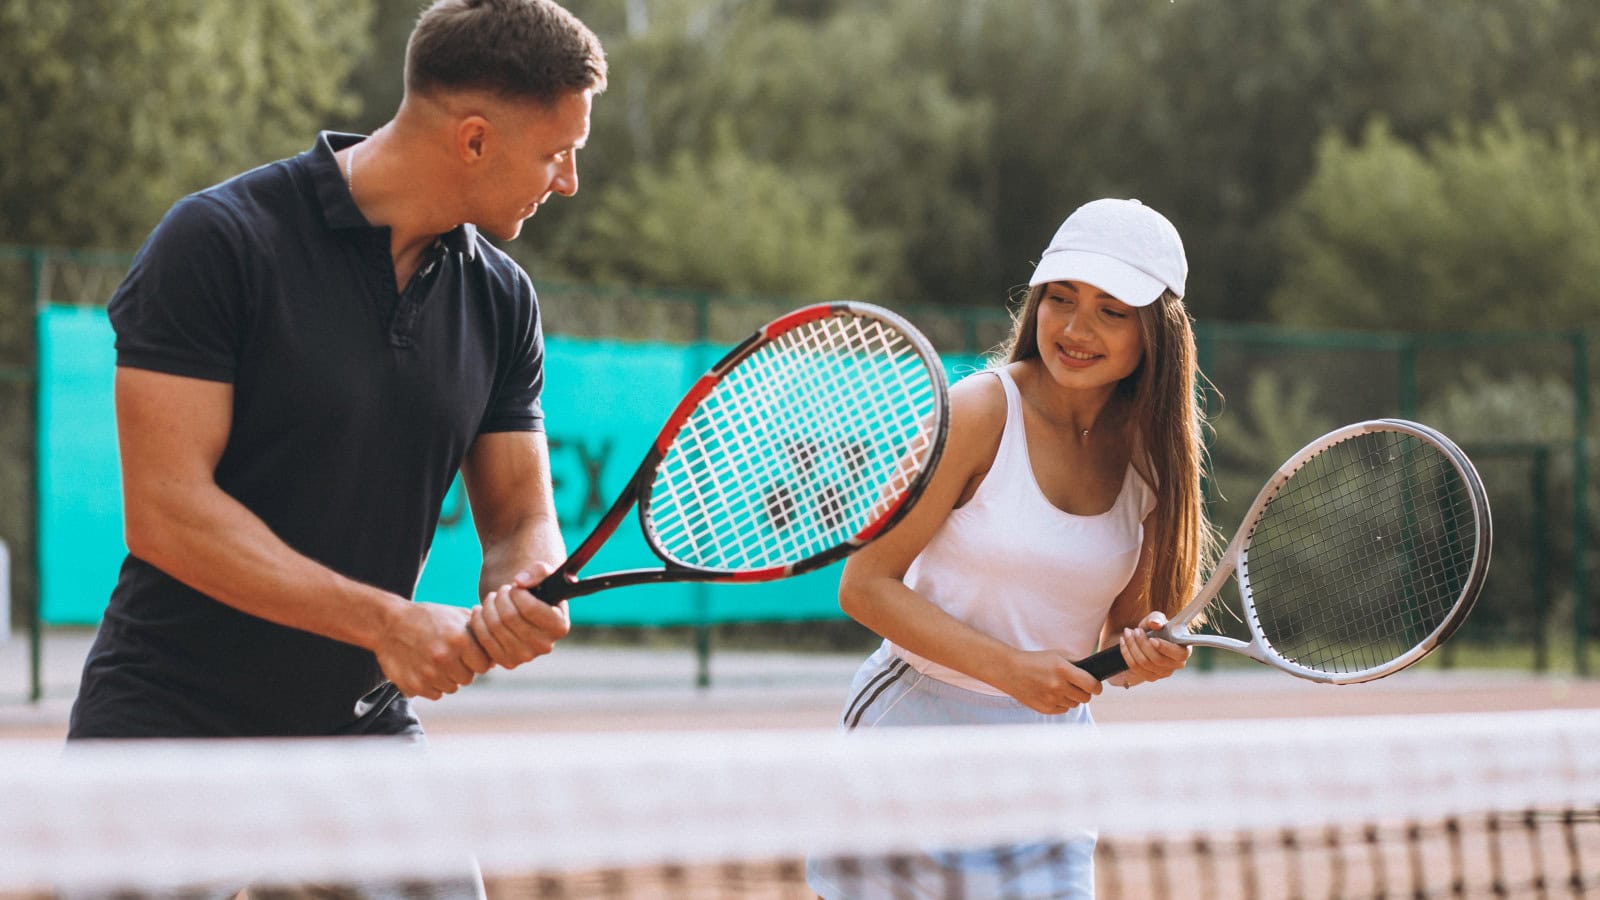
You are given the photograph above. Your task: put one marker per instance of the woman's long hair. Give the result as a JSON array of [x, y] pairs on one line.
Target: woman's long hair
[[1168, 439]]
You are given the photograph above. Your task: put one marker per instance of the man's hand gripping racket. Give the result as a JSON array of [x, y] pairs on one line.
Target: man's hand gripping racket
[[806, 441], [1362, 554]]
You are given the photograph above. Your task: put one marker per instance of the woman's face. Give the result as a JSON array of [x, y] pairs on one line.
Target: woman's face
[[1087, 338]]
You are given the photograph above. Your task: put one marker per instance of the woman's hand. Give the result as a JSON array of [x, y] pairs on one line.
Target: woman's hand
[[1149, 658], [1046, 681]]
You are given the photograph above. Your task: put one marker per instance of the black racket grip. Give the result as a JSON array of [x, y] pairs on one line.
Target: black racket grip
[[1106, 663]]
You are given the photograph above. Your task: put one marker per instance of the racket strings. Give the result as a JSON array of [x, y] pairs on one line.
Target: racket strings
[[1363, 554], [822, 495], [781, 502], [1349, 562], [801, 446], [1347, 632], [714, 520]]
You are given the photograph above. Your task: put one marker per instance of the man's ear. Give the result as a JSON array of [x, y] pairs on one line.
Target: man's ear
[[472, 137]]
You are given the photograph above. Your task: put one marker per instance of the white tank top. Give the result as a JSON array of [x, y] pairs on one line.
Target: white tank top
[[1015, 567]]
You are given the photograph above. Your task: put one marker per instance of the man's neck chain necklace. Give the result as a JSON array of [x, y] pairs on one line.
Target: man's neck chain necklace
[[350, 170]]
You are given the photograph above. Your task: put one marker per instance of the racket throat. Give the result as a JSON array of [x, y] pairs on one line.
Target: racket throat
[[561, 581]]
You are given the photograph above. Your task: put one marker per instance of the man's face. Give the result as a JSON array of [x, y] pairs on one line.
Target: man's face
[[534, 155]]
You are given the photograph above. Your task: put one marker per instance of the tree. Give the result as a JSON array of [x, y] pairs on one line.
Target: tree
[[827, 98], [116, 108], [731, 224], [377, 78], [1212, 112], [1494, 227], [965, 132]]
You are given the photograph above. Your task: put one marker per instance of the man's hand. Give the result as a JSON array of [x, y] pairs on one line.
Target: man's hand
[[428, 651], [514, 626]]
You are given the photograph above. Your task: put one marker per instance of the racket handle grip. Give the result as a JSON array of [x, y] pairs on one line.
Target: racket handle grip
[[1106, 663]]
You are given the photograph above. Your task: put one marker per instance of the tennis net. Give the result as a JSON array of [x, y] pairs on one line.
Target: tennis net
[[1499, 805]]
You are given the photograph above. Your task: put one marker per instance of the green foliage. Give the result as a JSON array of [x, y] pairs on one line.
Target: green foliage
[[115, 108], [956, 134], [732, 224], [1491, 227], [1275, 417], [834, 101], [1483, 407], [377, 78], [1502, 420], [1227, 108], [968, 130]]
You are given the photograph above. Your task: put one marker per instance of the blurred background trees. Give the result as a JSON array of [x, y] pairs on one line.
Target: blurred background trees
[[1403, 168], [112, 109], [1319, 158], [1492, 226]]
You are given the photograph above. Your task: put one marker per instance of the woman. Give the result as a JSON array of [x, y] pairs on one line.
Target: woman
[[1065, 515]]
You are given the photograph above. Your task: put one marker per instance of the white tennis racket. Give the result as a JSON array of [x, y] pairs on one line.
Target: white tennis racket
[[1362, 554]]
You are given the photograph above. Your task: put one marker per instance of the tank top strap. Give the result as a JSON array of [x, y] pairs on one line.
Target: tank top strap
[[1012, 454], [1013, 401]]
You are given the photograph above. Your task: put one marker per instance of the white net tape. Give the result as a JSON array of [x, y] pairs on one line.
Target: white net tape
[[166, 813]]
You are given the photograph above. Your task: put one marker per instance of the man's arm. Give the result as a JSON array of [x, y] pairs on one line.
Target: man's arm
[[507, 476], [171, 432]]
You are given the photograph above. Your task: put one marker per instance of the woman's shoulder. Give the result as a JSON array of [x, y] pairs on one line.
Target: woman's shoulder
[[977, 418], [978, 400]]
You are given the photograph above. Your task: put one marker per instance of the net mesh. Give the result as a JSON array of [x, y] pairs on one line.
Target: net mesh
[[1363, 554], [1501, 804], [799, 448]]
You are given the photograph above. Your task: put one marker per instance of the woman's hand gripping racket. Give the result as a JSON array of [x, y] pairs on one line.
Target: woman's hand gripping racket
[[1362, 554], [807, 440]]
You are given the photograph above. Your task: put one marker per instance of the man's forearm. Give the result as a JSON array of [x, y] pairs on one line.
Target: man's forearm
[[535, 546], [214, 544]]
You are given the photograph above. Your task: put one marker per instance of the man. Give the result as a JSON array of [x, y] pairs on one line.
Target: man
[[307, 354]]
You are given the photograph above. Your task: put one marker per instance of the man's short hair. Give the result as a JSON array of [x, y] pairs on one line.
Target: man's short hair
[[517, 49]]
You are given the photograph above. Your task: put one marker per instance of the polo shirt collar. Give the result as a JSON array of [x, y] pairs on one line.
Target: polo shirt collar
[[340, 208]]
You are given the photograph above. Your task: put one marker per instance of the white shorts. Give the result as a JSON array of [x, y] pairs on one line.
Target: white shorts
[[888, 692]]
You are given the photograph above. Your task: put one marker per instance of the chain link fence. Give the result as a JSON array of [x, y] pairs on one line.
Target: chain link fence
[[1518, 403]]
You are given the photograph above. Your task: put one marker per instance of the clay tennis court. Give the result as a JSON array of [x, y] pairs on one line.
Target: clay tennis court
[[586, 688]]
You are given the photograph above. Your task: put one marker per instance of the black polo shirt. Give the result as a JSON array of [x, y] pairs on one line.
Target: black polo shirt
[[353, 405]]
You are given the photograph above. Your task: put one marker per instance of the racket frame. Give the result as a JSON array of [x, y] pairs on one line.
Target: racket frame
[[564, 582], [1235, 561]]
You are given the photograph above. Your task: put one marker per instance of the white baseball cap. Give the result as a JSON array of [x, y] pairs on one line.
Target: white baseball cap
[[1122, 247]]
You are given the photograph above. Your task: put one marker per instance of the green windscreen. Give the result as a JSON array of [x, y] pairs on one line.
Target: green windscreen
[[604, 402]]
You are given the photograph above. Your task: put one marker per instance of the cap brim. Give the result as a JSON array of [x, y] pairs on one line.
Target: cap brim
[[1113, 276]]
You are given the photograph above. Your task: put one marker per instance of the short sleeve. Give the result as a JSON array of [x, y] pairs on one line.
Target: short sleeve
[[180, 308], [516, 404]]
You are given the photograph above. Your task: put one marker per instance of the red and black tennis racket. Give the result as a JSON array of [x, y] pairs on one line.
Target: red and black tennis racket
[[1360, 556], [806, 441]]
